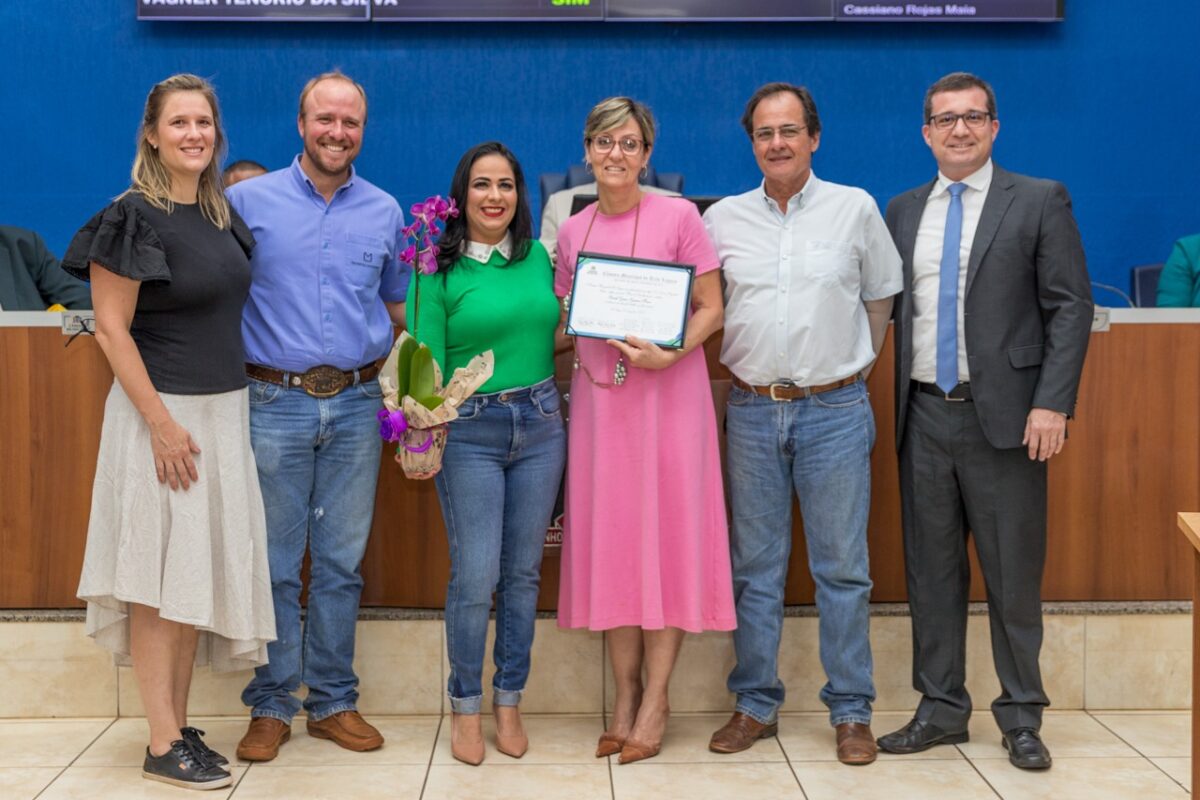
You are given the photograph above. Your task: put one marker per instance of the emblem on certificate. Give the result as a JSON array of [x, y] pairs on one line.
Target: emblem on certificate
[[616, 296]]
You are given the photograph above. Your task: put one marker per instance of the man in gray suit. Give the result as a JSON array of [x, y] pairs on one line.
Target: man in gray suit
[[991, 332]]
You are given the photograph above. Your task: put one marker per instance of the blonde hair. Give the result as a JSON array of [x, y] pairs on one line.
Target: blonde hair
[[612, 113], [332, 75], [150, 178]]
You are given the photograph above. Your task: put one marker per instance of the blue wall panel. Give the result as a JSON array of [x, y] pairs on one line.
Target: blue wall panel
[[1107, 101]]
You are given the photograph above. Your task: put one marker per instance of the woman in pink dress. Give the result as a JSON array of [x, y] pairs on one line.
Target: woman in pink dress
[[645, 547]]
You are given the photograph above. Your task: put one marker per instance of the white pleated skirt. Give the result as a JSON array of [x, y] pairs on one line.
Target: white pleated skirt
[[199, 556]]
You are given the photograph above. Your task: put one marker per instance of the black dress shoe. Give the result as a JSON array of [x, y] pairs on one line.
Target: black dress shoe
[[917, 736], [1025, 749]]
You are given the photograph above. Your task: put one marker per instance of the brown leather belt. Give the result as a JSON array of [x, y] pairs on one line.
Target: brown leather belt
[[320, 381], [959, 394], [790, 391]]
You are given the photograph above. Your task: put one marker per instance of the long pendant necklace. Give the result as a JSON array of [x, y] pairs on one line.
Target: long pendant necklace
[[619, 370]]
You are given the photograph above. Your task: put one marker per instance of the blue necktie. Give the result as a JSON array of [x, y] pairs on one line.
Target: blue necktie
[[947, 319]]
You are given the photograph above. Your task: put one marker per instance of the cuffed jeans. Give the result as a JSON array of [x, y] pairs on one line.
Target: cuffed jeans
[[499, 481], [821, 447], [318, 464]]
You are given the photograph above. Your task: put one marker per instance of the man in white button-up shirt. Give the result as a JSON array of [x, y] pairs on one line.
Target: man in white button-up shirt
[[991, 333], [809, 272]]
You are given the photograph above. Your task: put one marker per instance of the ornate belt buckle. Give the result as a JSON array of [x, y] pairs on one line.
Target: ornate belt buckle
[[774, 386], [323, 381]]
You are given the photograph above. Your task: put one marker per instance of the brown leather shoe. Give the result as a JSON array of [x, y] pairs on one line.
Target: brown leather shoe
[[855, 744], [348, 729], [740, 733], [262, 740]]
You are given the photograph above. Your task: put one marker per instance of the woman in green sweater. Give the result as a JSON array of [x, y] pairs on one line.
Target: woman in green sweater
[[1179, 283], [505, 452]]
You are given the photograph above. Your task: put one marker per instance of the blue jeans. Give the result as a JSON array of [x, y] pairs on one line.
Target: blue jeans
[[499, 480], [821, 446], [318, 463]]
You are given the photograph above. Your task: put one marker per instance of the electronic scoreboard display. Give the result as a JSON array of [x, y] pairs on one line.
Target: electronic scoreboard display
[[603, 10], [263, 10], [541, 10]]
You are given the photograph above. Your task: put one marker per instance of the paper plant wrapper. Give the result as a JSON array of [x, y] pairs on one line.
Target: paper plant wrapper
[[422, 421]]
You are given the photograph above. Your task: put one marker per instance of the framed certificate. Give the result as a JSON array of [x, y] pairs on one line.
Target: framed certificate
[[616, 296]]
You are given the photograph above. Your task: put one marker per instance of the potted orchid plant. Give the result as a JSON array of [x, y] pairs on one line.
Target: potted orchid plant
[[417, 405]]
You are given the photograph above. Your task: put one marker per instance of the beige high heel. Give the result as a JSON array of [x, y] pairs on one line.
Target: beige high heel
[[511, 744], [468, 750]]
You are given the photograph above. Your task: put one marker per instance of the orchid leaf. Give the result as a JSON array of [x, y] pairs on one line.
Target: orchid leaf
[[431, 401], [421, 379], [404, 365]]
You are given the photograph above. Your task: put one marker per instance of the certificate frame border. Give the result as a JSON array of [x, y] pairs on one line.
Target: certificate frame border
[[581, 260]]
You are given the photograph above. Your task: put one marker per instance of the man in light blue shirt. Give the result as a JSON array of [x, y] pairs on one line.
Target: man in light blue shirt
[[809, 271], [326, 287]]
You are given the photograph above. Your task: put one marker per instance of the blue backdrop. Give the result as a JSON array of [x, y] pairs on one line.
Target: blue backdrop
[[1107, 101]]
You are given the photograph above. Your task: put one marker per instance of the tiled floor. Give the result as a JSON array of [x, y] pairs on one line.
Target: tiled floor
[[1097, 755]]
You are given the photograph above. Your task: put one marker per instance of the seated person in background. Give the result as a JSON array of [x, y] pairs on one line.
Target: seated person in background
[[1179, 284], [558, 208], [241, 170], [31, 278]]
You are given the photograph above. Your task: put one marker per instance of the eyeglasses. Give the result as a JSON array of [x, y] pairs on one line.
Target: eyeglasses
[[973, 119], [628, 144], [787, 132]]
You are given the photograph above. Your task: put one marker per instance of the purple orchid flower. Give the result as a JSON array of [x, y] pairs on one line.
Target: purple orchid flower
[[427, 261]]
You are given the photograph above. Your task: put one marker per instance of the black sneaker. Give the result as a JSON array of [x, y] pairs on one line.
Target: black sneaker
[[192, 737], [181, 766]]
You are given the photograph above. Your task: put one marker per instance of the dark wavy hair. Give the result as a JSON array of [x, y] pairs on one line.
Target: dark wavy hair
[[521, 227]]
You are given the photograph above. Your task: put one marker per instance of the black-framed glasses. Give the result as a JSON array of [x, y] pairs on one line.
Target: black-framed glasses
[[973, 119], [630, 145], [789, 133]]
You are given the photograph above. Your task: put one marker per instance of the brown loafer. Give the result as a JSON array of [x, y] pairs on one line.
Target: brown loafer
[[855, 744], [740, 733], [347, 729], [263, 739]]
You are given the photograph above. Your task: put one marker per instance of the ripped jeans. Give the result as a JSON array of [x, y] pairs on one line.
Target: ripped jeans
[[318, 463]]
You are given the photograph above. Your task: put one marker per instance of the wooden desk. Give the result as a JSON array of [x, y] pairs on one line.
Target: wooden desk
[[1130, 463], [1189, 523]]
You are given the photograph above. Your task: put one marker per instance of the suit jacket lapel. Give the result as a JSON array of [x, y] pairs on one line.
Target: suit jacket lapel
[[995, 205], [909, 223]]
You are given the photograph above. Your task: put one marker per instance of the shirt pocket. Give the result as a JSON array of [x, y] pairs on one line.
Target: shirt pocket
[[831, 263], [365, 256]]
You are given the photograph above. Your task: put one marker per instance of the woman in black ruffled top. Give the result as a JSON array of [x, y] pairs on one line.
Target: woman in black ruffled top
[[176, 557]]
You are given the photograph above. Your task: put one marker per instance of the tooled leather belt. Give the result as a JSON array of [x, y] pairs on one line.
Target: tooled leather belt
[[319, 381]]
